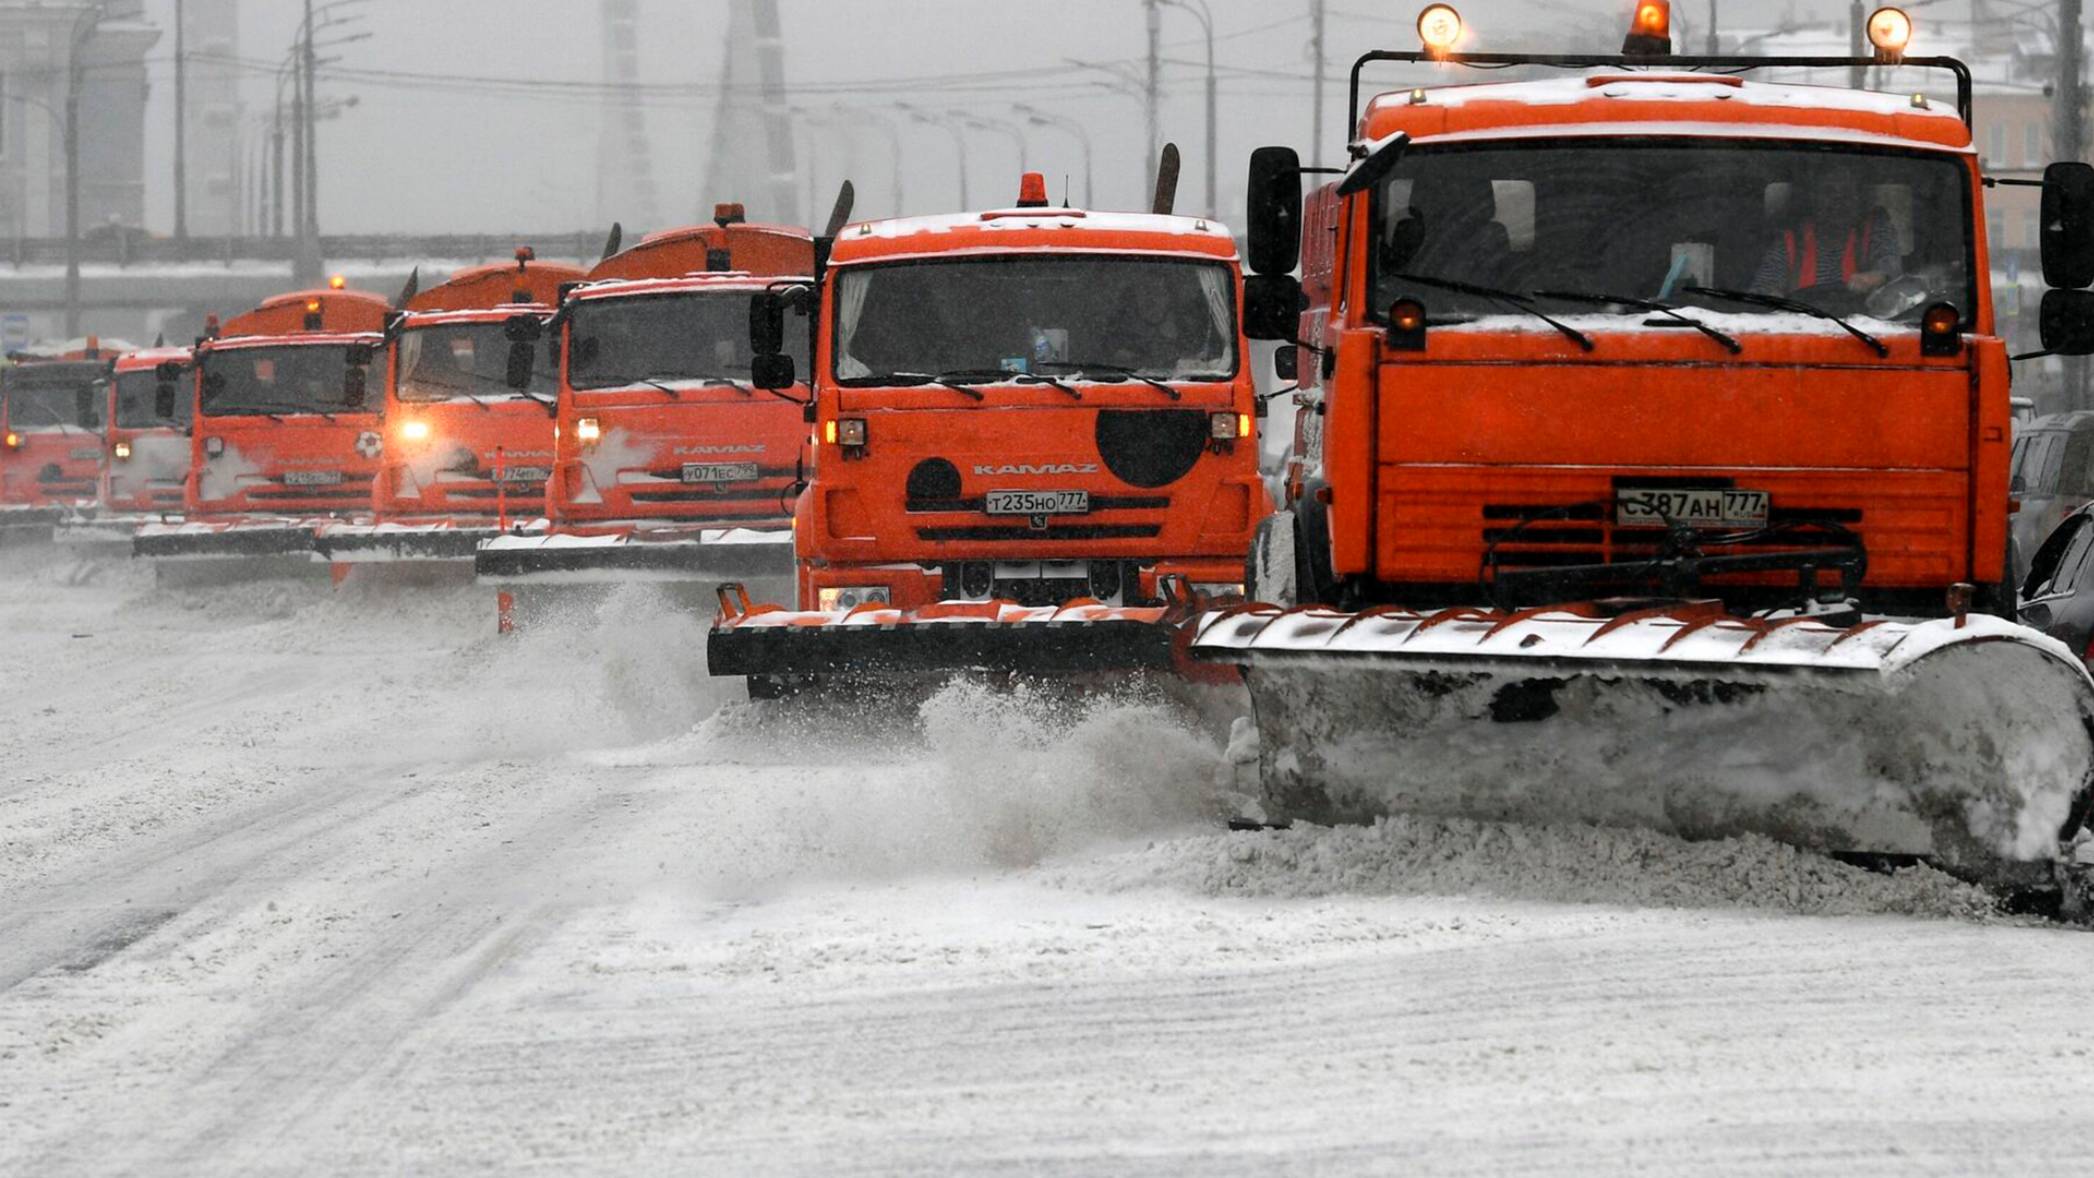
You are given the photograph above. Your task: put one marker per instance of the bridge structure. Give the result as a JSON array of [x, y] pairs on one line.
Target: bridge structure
[[135, 287]]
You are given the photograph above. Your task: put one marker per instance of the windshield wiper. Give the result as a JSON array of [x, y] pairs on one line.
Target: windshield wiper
[[1665, 309], [1038, 378], [1510, 298], [270, 409], [1779, 303], [456, 388], [892, 378], [1079, 367]]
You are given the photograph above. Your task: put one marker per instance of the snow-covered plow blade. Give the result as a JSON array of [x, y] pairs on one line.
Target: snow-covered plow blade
[[673, 553], [201, 539], [347, 543], [28, 525], [1967, 743], [873, 641]]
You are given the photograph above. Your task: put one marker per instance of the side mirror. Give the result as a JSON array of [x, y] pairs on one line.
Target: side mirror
[[1376, 167], [1272, 211], [522, 329], [767, 325], [771, 370], [523, 362], [1286, 363], [1272, 306], [164, 400], [2068, 226], [2066, 322], [355, 388]]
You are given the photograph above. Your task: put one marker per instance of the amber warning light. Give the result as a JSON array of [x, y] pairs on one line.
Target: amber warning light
[[1890, 31], [1439, 28], [1650, 30]]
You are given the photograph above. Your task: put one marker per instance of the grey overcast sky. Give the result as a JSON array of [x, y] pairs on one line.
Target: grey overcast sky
[[421, 154]]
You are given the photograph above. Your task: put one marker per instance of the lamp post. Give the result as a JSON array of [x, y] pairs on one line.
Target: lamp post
[[307, 265], [1040, 118], [997, 126], [82, 31], [1199, 9], [959, 140]]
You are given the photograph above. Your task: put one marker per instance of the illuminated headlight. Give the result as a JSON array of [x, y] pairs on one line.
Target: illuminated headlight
[[13, 441], [1222, 426], [121, 449], [587, 430], [849, 596], [415, 431], [850, 431], [213, 447]]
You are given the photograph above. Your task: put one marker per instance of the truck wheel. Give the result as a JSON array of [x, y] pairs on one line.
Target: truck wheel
[[1270, 569]]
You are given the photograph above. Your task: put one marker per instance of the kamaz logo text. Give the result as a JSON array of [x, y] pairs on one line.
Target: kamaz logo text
[[1043, 468], [742, 448]]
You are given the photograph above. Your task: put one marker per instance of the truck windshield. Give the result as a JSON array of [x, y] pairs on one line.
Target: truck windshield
[[135, 396], [1849, 230], [457, 361], [291, 378], [40, 401], [1028, 313], [695, 336]]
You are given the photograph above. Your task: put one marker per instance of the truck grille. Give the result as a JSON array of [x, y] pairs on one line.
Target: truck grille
[[1558, 536]]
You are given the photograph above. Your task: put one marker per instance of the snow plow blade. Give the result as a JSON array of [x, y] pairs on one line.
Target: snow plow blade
[[873, 641], [378, 543], [1967, 743], [28, 525], [198, 539], [666, 553]]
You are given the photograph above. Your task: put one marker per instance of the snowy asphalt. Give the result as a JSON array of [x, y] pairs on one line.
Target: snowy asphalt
[[306, 881]]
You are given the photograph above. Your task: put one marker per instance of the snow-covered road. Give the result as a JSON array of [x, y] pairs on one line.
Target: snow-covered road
[[306, 881]]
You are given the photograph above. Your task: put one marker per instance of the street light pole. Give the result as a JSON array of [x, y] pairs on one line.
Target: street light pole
[[959, 141], [82, 31], [181, 228], [1155, 86], [1040, 118], [1199, 8], [308, 265]]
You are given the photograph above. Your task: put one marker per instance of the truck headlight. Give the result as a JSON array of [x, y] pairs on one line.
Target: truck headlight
[[213, 447], [842, 597], [587, 430], [414, 431], [121, 449]]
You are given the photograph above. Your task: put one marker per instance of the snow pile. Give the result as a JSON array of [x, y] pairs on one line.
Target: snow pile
[[1412, 855]]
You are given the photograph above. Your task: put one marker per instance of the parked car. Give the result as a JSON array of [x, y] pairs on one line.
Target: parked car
[[2058, 595], [2052, 476]]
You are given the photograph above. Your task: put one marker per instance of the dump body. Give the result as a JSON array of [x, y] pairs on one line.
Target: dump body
[[462, 445], [1062, 474], [51, 419], [1493, 449], [148, 452]]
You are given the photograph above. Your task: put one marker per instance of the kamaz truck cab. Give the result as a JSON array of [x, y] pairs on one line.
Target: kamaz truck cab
[[52, 409], [468, 411], [1034, 425], [285, 434], [148, 452], [668, 462]]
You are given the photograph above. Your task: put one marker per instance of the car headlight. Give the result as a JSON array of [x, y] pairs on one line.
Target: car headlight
[[121, 449], [841, 597]]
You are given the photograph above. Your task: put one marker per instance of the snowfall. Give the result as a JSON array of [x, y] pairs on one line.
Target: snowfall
[[302, 880]]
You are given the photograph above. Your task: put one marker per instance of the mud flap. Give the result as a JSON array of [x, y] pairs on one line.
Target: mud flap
[[1969, 745]]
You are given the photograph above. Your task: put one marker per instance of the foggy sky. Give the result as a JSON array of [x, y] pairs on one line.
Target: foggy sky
[[418, 156]]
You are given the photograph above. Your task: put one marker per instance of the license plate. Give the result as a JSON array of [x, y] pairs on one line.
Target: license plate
[[527, 474], [1039, 502], [1694, 507], [719, 472], [312, 478]]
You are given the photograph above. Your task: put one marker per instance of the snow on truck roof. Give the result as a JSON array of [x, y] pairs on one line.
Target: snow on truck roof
[[1616, 102], [618, 288], [1032, 230]]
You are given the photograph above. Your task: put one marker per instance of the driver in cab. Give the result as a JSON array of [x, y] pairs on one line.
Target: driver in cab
[[1842, 243]]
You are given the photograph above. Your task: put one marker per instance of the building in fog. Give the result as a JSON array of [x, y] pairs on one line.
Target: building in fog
[[218, 156], [40, 44]]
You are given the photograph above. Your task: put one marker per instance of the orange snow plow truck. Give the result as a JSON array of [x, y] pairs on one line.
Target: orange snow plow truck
[[148, 452], [1034, 447], [52, 406], [668, 463], [1652, 464], [468, 416], [284, 435]]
